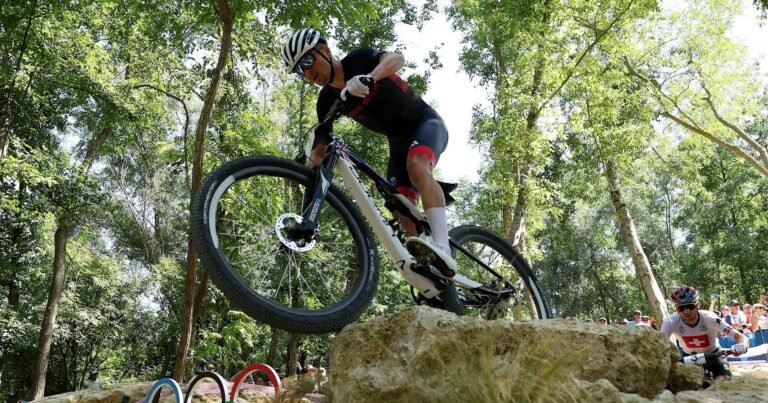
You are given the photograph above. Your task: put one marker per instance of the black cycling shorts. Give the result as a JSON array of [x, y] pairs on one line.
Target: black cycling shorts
[[428, 139]]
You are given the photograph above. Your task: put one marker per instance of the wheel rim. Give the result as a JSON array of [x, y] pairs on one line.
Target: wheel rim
[[518, 306], [247, 223]]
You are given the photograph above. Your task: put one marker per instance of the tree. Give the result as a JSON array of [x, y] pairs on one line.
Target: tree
[[700, 81], [521, 58]]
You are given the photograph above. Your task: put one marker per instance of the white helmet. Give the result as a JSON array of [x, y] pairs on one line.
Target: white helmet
[[300, 43]]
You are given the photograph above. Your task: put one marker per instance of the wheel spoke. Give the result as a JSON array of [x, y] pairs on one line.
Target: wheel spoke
[[264, 249], [499, 256]]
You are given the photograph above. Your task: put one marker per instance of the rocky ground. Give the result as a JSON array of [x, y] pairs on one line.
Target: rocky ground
[[427, 355]]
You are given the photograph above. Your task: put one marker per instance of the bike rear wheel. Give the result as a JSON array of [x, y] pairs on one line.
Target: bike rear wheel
[[244, 221], [520, 297]]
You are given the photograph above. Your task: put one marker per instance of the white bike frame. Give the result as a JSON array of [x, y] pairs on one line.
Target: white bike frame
[[387, 237]]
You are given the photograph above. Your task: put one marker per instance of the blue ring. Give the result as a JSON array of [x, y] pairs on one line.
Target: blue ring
[[159, 384]]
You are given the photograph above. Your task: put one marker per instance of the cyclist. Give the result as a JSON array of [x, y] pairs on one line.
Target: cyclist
[[416, 133], [697, 331]]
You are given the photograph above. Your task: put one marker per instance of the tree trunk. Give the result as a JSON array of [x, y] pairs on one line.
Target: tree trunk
[[197, 173], [274, 343], [648, 283], [40, 363], [293, 357], [517, 230]]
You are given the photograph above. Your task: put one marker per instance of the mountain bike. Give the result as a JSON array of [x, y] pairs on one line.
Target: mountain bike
[[291, 248]]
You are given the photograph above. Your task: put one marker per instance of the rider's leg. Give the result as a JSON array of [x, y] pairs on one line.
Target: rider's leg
[[411, 163], [432, 199], [435, 252], [719, 369], [406, 224]]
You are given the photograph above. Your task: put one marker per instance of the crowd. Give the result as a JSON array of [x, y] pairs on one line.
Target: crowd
[[746, 318]]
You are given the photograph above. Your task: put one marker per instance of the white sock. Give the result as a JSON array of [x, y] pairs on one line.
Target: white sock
[[439, 226]]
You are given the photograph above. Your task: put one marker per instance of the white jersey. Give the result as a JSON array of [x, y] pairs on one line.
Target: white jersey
[[701, 338]]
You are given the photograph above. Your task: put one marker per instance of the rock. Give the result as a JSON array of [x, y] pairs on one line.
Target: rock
[[108, 394], [685, 377], [424, 354]]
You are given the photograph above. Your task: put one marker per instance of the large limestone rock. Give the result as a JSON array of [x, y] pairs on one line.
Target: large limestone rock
[[427, 355], [108, 394]]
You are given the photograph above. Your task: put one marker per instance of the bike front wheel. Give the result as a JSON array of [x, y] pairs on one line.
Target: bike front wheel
[[246, 224], [516, 296]]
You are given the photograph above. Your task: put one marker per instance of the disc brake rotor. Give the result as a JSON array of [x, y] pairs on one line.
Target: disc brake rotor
[[283, 228]]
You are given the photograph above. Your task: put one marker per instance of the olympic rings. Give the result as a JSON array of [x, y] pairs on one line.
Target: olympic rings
[[237, 382]]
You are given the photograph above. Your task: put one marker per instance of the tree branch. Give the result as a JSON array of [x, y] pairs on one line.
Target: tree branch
[[743, 135], [186, 125], [733, 148], [693, 127]]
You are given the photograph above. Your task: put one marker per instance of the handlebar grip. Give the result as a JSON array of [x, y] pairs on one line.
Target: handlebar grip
[[367, 81]]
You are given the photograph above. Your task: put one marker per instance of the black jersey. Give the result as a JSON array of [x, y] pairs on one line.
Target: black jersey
[[391, 108]]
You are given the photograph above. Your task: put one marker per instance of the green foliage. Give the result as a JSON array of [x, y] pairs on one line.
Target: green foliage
[[98, 98]]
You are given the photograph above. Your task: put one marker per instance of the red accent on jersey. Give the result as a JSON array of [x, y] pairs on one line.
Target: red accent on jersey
[[700, 341], [399, 81], [357, 109], [727, 331]]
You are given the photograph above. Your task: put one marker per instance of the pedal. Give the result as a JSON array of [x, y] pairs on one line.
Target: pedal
[[426, 256]]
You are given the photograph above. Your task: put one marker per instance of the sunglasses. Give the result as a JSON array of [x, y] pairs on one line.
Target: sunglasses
[[304, 63], [689, 307]]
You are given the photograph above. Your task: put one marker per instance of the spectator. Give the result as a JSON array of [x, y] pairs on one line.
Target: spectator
[[603, 321], [747, 311], [645, 321], [636, 318], [210, 367], [92, 382], [724, 310], [322, 377], [759, 320], [712, 301], [735, 317]]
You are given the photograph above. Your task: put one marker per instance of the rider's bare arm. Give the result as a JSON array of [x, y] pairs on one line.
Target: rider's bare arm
[[741, 339], [389, 63]]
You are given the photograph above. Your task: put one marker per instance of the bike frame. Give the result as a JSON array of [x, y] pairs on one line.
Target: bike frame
[[346, 163]]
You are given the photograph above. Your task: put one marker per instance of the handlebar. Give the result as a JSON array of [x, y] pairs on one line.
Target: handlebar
[[702, 358], [339, 106]]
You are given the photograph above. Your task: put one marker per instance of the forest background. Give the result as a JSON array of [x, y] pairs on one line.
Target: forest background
[[624, 149]]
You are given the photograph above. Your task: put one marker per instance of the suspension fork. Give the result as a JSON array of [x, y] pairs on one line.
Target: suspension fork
[[313, 202]]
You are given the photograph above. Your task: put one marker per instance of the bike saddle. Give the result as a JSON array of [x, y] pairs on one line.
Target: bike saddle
[[447, 189]]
